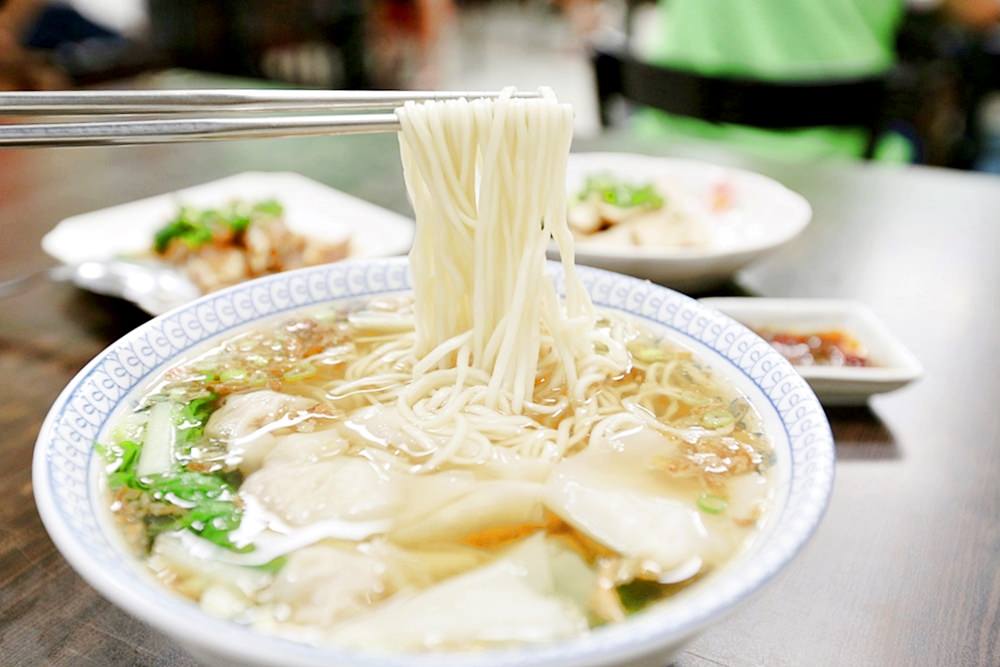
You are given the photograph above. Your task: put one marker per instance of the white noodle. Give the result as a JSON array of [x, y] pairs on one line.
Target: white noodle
[[487, 183]]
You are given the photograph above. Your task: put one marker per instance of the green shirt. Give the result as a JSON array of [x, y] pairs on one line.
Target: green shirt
[[778, 40]]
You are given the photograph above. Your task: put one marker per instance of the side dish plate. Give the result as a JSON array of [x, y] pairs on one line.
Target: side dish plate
[[311, 209], [893, 366], [762, 216]]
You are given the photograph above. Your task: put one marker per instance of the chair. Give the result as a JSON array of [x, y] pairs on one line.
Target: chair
[[857, 102]]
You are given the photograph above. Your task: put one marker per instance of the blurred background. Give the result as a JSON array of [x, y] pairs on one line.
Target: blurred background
[[889, 80]]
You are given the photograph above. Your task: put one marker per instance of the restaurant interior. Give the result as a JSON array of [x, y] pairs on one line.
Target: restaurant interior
[[499, 332]]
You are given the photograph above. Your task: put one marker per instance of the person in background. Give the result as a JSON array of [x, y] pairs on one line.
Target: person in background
[[44, 44], [21, 68], [786, 40]]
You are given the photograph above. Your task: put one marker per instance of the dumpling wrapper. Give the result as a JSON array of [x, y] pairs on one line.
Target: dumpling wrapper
[[665, 531], [508, 602], [447, 506], [323, 584], [305, 447], [345, 488], [194, 574], [610, 494], [417, 568], [380, 426], [243, 421], [423, 509]]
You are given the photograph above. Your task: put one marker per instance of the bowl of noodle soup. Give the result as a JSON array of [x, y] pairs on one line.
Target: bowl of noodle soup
[[67, 472], [472, 457]]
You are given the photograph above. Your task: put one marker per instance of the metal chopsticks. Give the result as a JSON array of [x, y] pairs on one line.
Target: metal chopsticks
[[218, 100], [177, 128]]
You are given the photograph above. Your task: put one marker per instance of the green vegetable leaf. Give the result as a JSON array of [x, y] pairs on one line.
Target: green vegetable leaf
[[193, 417], [206, 501], [194, 234], [122, 459], [273, 566], [212, 520], [197, 227], [189, 486], [200, 502], [270, 207], [238, 222], [638, 594], [619, 193], [209, 510]]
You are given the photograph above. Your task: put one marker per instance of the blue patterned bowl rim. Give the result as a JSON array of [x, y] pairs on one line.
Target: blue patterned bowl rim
[[70, 507]]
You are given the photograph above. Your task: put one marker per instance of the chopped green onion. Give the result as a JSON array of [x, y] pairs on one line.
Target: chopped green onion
[[301, 371], [258, 379], [255, 359], [649, 354], [206, 375], [232, 374], [717, 418], [712, 504]]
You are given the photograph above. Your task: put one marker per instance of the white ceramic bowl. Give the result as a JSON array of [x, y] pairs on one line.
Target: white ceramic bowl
[[764, 216], [66, 469]]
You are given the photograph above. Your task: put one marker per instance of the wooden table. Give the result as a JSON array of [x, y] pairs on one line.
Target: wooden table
[[905, 569]]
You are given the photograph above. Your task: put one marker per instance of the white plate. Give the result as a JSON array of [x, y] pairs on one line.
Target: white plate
[[311, 209], [895, 366], [764, 215]]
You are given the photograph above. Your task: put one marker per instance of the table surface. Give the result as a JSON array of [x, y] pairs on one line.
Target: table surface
[[905, 568]]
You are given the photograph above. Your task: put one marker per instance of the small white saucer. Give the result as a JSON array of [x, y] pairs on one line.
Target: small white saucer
[[893, 366]]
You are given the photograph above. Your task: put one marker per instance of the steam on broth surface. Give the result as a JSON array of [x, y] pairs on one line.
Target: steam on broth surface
[[478, 465]]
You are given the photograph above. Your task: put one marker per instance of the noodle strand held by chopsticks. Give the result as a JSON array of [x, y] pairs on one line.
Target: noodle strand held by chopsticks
[[497, 367], [478, 257]]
